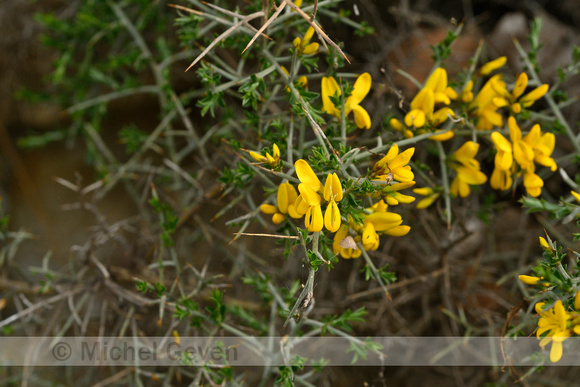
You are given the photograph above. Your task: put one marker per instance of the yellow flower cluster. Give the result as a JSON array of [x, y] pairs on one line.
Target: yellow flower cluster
[[391, 171], [494, 95], [467, 169], [422, 113], [303, 46], [362, 86], [555, 324], [272, 160], [534, 147], [378, 222]]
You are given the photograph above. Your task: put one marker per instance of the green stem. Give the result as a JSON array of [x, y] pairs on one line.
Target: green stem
[[445, 182]]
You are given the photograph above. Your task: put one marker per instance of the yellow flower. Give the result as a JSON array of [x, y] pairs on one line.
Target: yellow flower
[[309, 202], [313, 219], [307, 175], [422, 108], [533, 183], [332, 194], [387, 223], [378, 222], [271, 159], [392, 195], [430, 196], [483, 105], [501, 176], [553, 322], [492, 65], [444, 136], [542, 146], [361, 88], [545, 245], [370, 238], [576, 195], [467, 169], [394, 165], [513, 99], [303, 46], [286, 196], [379, 206], [529, 280], [535, 146], [302, 81], [344, 244], [523, 152], [466, 94]]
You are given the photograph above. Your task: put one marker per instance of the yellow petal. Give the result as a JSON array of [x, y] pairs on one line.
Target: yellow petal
[[360, 89], [329, 87], [576, 195], [466, 152], [307, 36], [533, 184], [332, 188], [361, 117], [309, 195], [258, 157], [405, 199], [493, 65], [271, 160], [332, 217], [403, 174], [556, 352], [286, 195], [268, 209], [310, 49], [441, 115], [338, 237], [313, 219], [402, 159], [426, 202], [491, 119], [545, 245], [415, 118], [396, 124], [515, 131], [296, 42], [398, 231], [307, 175], [471, 176], [437, 80], [452, 94], [383, 221], [278, 218], [523, 154], [424, 191], [500, 179], [520, 85], [300, 206], [369, 236], [293, 213], [500, 142], [534, 95], [529, 280]]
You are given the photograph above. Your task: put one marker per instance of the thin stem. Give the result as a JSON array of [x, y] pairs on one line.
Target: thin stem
[[445, 182]]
